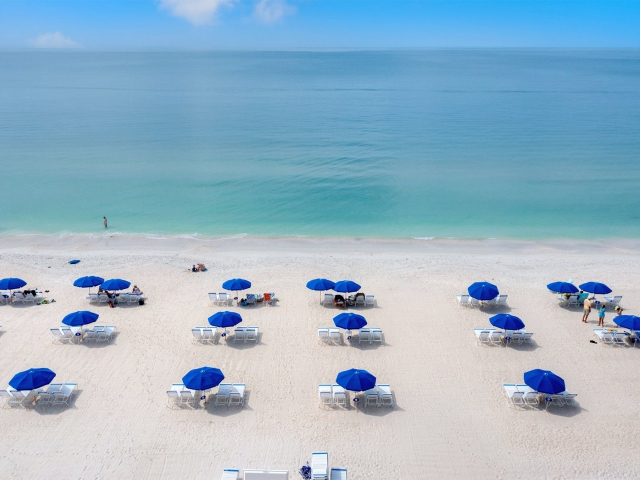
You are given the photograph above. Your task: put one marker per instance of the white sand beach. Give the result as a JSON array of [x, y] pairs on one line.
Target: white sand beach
[[451, 419]]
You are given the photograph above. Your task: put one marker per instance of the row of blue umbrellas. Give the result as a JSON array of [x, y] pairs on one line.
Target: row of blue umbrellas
[[113, 284], [323, 284], [589, 287]]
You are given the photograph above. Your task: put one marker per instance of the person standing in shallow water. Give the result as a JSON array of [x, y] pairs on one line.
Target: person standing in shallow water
[[104, 220]]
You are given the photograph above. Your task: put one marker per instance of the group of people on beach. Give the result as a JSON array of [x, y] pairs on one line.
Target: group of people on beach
[[113, 297], [601, 310]]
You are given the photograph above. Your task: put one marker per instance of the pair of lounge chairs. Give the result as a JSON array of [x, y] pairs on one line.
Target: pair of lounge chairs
[[230, 394], [370, 335], [180, 395], [245, 334], [219, 298], [613, 301], [614, 337], [99, 333], [327, 334], [491, 336], [379, 396], [339, 301], [56, 394], [120, 299], [204, 335], [232, 474], [469, 301], [521, 395], [19, 297], [332, 395]]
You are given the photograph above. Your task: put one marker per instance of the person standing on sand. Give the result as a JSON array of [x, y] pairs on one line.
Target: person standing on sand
[[587, 310], [601, 316], [104, 220]]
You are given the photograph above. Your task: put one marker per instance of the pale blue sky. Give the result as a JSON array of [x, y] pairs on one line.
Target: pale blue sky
[[291, 24]]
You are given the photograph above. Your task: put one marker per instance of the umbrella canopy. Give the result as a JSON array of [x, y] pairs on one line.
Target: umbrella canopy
[[356, 380], [203, 378], [11, 283], [116, 284], [88, 282], [595, 287], [562, 287], [236, 284], [544, 381], [630, 322], [346, 286], [506, 321], [349, 321], [320, 284], [77, 319], [32, 379], [224, 319], [483, 291]]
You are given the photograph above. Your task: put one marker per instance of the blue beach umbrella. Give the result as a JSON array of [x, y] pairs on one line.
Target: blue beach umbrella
[[506, 322], [11, 283], [32, 379], [236, 284], [562, 287], [203, 378], [349, 321], [346, 286], [116, 284], [88, 282], [483, 291], [320, 285], [595, 288], [78, 319], [544, 381], [630, 322], [224, 319], [356, 380]]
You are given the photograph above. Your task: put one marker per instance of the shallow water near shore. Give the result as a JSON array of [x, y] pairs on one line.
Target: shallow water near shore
[[524, 144]]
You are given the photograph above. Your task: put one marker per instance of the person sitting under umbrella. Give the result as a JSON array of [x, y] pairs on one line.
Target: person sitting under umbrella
[[338, 301]]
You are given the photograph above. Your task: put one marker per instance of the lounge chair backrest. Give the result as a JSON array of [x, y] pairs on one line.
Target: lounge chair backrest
[[369, 300], [230, 474], [338, 474], [319, 464], [328, 299], [213, 297]]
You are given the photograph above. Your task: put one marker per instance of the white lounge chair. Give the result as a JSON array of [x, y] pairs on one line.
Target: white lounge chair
[[474, 302], [482, 336], [324, 394], [56, 336], [360, 299], [515, 396], [209, 335], [196, 336], [364, 335], [222, 395], [213, 298], [573, 300], [223, 298], [240, 335], [339, 396], [604, 335], [334, 335], [613, 301], [501, 300], [621, 338], [338, 474], [230, 474], [385, 396], [496, 338], [67, 335], [173, 398], [463, 300], [376, 334], [323, 334], [328, 299], [187, 397], [570, 399], [531, 399], [44, 399], [5, 396], [18, 398], [90, 336], [371, 397], [320, 466], [369, 301], [251, 334], [236, 395]]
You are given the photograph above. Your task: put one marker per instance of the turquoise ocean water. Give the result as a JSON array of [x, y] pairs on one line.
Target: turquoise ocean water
[[530, 144]]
